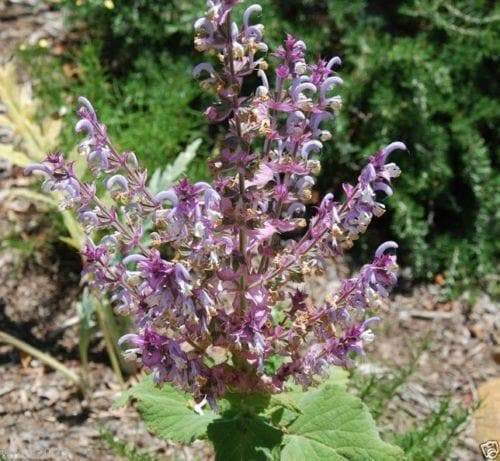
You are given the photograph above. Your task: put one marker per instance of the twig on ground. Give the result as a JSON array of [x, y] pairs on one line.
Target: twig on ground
[[428, 315], [43, 357]]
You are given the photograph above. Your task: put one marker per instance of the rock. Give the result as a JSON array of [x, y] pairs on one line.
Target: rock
[[477, 330], [487, 417], [496, 354]]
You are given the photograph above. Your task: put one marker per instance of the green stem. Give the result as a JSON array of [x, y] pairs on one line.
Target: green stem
[[116, 331], [84, 359], [110, 343], [242, 236]]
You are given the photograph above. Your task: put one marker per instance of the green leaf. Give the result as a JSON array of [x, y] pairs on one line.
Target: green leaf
[[286, 400], [294, 397], [286, 406], [337, 376], [31, 195], [271, 454], [86, 311], [168, 412], [77, 236], [325, 423], [334, 425], [161, 180], [243, 438], [244, 404], [273, 363]]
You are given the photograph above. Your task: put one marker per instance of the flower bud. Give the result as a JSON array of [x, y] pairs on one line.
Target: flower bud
[[379, 209], [238, 50], [263, 65], [325, 135], [300, 222], [300, 68], [131, 160], [392, 170], [306, 195], [133, 278], [262, 92], [367, 336], [117, 186], [314, 166], [335, 103]]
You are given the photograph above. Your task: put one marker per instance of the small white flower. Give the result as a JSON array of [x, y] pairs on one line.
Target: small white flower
[[300, 68], [198, 408], [325, 135], [392, 169], [368, 336], [199, 229]]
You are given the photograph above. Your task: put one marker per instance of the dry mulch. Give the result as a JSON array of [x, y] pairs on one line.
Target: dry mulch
[[42, 416], [463, 354]]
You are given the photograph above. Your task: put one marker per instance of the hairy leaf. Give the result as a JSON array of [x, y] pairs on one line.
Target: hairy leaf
[[334, 425], [168, 412]]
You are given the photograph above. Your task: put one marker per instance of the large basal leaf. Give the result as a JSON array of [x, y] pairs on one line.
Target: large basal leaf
[[334, 425], [168, 412], [243, 438]]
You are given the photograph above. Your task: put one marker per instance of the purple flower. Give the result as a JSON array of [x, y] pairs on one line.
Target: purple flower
[[212, 274]]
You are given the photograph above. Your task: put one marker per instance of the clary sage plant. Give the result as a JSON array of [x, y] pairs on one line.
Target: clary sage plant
[[216, 287]]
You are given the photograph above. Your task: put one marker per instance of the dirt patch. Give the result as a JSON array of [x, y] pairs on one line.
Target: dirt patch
[[32, 22], [39, 275], [44, 417], [463, 343]]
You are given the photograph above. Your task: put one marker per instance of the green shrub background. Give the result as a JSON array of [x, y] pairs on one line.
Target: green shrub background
[[422, 71]]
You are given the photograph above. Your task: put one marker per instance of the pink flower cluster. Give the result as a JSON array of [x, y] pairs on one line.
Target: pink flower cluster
[[216, 286]]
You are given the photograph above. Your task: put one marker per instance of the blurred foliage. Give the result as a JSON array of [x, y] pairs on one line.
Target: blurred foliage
[[422, 71], [127, 28], [434, 437], [31, 140], [148, 110]]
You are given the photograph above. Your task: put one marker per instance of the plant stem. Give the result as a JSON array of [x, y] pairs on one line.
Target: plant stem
[[241, 176], [110, 343], [312, 242], [43, 357]]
